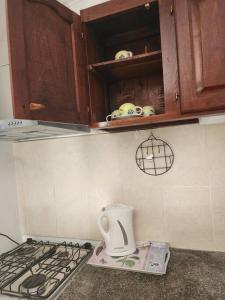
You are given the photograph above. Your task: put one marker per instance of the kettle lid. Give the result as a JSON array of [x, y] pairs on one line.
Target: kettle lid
[[116, 206]]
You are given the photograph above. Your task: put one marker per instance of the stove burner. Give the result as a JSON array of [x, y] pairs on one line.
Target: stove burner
[[25, 250], [34, 281], [64, 263], [64, 254], [64, 258], [34, 284]]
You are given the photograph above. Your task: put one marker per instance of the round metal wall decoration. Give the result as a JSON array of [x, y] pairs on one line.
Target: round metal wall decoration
[[154, 156]]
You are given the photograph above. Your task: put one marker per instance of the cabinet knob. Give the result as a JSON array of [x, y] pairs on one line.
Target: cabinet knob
[[36, 106]]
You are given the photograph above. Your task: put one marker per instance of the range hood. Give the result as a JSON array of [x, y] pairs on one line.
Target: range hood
[[210, 120], [17, 130]]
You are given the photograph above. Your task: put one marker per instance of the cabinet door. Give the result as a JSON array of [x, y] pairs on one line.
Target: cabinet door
[[169, 58], [200, 26], [47, 62]]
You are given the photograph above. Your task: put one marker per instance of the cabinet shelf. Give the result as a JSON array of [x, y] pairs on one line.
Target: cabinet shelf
[[138, 65], [129, 122], [145, 122]]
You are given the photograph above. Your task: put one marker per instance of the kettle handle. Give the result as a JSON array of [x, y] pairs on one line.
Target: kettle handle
[[99, 222]]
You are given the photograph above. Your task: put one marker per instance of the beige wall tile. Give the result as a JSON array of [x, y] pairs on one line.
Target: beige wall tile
[[38, 208], [4, 59], [215, 147], [40, 217], [88, 164], [149, 213], [188, 217], [190, 165], [218, 215]]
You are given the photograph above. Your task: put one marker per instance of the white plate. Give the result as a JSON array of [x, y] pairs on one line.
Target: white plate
[[126, 117]]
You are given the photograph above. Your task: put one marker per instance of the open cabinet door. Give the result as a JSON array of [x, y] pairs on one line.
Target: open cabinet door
[[48, 66], [200, 26]]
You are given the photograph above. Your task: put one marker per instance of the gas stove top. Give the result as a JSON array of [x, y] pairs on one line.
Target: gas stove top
[[38, 269]]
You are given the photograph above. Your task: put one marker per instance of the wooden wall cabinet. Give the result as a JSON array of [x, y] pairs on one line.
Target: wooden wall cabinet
[[63, 66], [150, 77], [185, 58], [200, 27]]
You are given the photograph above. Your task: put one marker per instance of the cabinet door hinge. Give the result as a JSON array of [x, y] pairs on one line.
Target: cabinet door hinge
[[171, 9], [147, 6], [177, 96]]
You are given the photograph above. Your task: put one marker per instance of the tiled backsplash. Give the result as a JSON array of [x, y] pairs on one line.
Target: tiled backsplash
[[63, 184]]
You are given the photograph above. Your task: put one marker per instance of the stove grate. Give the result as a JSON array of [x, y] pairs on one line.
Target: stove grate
[[16, 262], [42, 277]]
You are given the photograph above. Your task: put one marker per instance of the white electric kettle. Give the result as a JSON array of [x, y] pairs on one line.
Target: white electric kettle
[[119, 238]]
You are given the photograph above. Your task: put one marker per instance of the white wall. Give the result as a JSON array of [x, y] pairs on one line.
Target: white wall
[[77, 5], [5, 93], [9, 220]]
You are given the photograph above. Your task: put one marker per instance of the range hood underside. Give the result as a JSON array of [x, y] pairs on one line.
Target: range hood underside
[[27, 130]]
